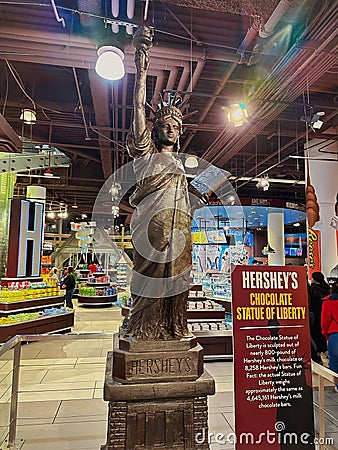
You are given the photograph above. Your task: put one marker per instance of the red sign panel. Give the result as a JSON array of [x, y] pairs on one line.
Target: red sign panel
[[272, 358]]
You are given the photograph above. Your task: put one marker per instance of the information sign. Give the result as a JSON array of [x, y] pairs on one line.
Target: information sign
[[272, 359]]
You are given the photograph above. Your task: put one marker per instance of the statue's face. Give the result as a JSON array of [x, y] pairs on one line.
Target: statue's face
[[169, 131]]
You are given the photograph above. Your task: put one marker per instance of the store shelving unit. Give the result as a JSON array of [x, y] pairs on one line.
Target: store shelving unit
[[122, 275], [208, 316], [82, 275], [35, 304], [38, 300], [99, 299], [47, 324]]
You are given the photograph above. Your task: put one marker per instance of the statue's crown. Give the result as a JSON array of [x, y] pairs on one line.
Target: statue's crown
[[172, 108], [167, 112]]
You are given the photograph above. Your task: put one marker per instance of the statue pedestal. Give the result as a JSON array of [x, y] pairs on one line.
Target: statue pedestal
[[157, 397]]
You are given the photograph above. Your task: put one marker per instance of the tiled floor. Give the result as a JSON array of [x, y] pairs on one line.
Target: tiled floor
[[60, 400]]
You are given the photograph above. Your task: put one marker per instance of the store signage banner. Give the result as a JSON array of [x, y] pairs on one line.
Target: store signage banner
[[314, 251], [272, 358], [25, 239]]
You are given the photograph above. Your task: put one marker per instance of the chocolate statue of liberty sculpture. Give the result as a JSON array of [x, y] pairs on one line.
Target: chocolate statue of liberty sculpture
[[161, 223]]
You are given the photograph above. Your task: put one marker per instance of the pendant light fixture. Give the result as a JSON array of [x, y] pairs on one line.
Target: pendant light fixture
[[109, 64], [191, 162], [28, 116]]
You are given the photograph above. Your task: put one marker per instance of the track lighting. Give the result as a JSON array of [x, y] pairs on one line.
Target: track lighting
[[313, 120], [238, 114], [263, 183], [315, 123]]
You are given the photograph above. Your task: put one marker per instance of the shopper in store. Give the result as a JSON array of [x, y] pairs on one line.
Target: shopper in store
[[53, 274], [317, 290], [329, 321], [162, 223], [63, 276], [69, 284]]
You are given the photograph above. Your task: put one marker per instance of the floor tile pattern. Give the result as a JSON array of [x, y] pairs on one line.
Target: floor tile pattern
[[60, 397]]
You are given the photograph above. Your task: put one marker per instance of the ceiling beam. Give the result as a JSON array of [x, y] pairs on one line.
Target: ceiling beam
[[101, 102]]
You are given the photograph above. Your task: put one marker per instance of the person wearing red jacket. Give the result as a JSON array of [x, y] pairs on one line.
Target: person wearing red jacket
[[329, 322]]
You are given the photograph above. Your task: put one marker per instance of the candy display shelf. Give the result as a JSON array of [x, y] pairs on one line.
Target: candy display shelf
[[122, 276], [46, 324], [97, 291], [23, 307], [216, 344], [82, 275], [34, 304], [97, 300], [209, 317]]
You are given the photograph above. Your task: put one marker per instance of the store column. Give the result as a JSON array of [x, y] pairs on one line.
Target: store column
[[276, 257], [322, 169]]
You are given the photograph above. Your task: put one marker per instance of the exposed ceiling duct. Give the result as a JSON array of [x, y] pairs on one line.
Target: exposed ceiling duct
[[251, 8], [9, 140]]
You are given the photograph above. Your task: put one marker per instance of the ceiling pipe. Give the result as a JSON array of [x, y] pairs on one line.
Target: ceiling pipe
[[247, 40], [56, 14], [146, 8], [124, 115], [196, 74], [87, 138], [268, 28], [62, 50], [271, 180], [227, 146], [114, 93], [295, 62]]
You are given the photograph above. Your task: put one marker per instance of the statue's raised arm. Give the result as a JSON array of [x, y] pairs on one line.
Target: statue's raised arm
[[142, 42]]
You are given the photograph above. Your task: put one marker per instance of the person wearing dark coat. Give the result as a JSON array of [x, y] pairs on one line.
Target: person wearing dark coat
[[317, 290], [69, 284]]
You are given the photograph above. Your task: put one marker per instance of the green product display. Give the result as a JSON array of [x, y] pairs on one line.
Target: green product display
[[7, 182]]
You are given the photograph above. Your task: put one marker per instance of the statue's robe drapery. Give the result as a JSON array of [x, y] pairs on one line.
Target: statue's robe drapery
[[161, 238]]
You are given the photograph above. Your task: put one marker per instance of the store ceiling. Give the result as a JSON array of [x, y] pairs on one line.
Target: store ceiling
[[208, 50]]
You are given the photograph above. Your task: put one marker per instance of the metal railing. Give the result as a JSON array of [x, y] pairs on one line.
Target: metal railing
[[15, 344], [324, 375]]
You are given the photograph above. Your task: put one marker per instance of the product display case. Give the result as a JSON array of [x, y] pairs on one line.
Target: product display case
[[122, 275], [32, 306], [97, 290], [209, 315], [82, 275]]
